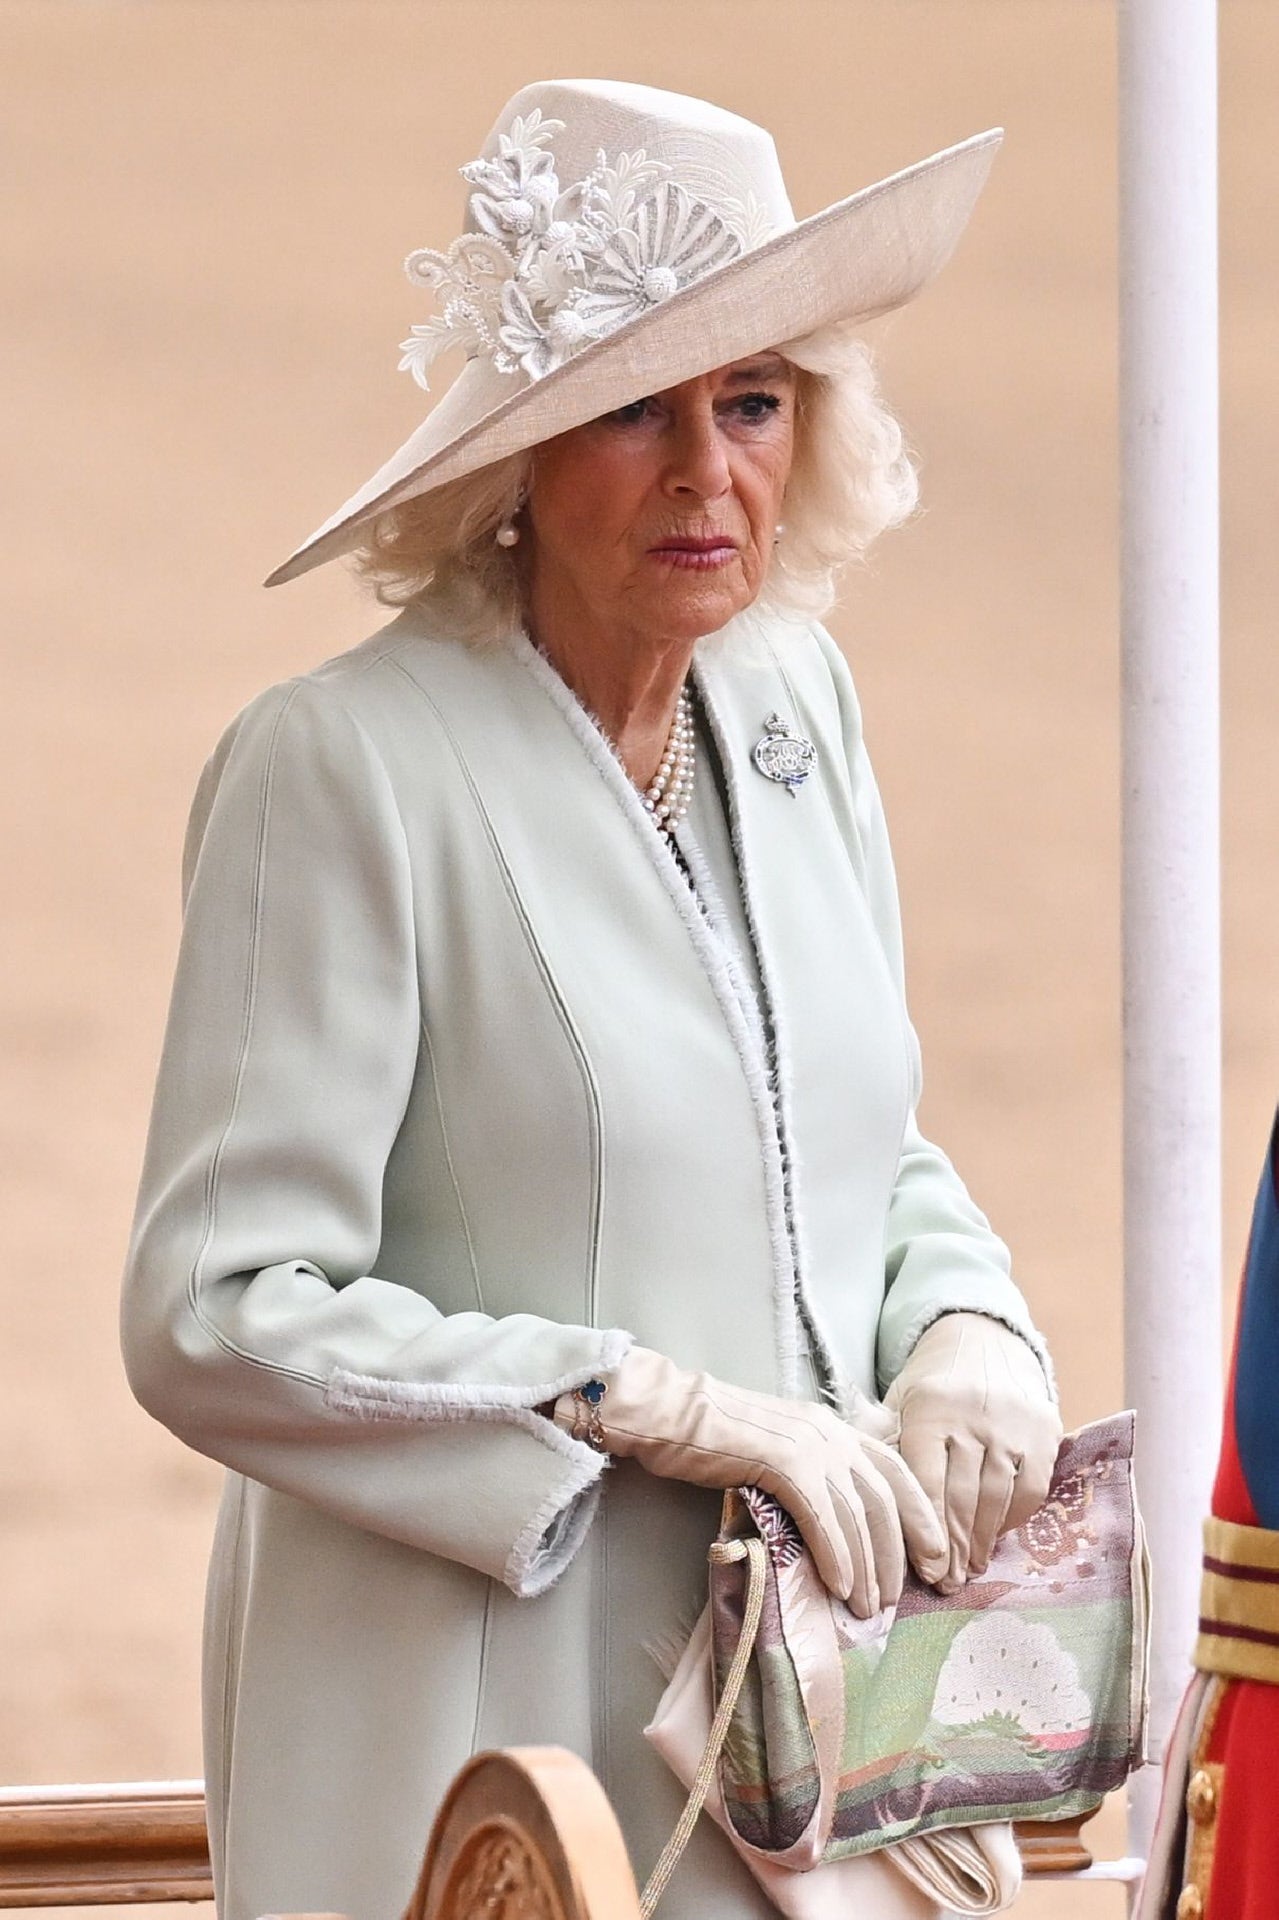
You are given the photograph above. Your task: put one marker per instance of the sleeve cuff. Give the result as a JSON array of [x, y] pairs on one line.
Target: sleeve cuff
[[545, 1547]]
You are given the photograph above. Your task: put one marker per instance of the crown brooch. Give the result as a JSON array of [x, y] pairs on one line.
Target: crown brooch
[[783, 754]]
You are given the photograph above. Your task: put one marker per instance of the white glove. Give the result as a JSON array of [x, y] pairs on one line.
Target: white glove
[[850, 1496], [979, 1430]]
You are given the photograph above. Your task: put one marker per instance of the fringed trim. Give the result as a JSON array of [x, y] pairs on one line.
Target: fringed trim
[[726, 983], [548, 1542], [787, 1244], [762, 1078], [841, 1391], [431, 1403], [715, 914], [838, 1388]]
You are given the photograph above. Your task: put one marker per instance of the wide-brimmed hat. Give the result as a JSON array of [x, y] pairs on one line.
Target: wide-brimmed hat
[[619, 240]]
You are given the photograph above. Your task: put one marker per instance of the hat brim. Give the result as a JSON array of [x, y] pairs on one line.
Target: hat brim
[[855, 260]]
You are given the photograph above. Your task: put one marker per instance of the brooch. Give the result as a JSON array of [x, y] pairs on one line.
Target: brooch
[[784, 755]]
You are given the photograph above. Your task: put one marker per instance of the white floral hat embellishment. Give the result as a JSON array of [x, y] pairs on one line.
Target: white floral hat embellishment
[[551, 268], [622, 239]]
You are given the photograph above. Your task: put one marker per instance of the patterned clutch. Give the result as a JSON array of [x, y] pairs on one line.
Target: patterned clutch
[[1021, 1697], [913, 1737]]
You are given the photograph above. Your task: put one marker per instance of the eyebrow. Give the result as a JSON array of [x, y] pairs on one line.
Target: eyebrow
[[770, 367]]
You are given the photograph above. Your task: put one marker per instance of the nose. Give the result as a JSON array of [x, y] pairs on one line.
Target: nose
[[697, 463]]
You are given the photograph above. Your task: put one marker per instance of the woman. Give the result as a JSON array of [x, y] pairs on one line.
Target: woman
[[541, 959]]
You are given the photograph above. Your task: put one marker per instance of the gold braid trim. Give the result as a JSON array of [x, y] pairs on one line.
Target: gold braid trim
[[1203, 1803], [1239, 1603]]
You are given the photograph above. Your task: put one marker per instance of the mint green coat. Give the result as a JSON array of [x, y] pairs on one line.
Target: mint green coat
[[461, 1092]]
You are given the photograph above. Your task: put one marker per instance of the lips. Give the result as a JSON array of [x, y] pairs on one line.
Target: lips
[[715, 543], [697, 555]]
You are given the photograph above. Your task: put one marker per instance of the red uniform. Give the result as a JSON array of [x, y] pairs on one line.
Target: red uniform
[[1216, 1849]]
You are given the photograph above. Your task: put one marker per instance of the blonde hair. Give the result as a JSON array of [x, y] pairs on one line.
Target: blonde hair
[[851, 479]]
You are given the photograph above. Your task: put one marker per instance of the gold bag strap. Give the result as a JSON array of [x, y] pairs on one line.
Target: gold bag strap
[[722, 1553]]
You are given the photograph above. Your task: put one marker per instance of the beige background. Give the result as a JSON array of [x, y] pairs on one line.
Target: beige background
[[206, 208]]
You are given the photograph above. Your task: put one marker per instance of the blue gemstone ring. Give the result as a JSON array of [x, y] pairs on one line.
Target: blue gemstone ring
[[587, 1425]]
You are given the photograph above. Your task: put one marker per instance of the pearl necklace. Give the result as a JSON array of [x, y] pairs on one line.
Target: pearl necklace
[[667, 799]]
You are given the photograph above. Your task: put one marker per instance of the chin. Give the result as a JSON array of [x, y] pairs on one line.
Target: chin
[[702, 608]]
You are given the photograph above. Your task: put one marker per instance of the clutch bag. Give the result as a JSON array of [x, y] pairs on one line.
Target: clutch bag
[[1020, 1697]]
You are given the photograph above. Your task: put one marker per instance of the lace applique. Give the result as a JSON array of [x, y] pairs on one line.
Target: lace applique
[[552, 268]]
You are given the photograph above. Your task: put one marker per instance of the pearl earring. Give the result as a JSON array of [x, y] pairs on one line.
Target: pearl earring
[[508, 534], [778, 531]]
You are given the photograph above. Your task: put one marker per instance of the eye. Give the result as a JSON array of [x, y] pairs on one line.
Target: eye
[[757, 406], [630, 415]]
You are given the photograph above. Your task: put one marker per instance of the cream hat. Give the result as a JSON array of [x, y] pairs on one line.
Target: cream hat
[[619, 240]]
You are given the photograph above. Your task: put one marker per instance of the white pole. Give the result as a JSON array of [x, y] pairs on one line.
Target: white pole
[[1171, 874]]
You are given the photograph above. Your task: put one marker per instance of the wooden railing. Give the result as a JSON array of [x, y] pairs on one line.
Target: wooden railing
[[123, 1845], [96, 1846]]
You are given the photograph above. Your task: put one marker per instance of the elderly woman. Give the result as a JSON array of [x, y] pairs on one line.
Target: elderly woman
[[538, 1090]]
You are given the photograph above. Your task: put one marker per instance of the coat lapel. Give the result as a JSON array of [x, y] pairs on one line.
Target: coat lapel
[[833, 1013]]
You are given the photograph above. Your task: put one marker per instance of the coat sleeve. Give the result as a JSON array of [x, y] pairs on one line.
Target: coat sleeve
[[940, 1253], [252, 1325]]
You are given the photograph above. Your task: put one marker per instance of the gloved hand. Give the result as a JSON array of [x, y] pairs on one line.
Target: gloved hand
[[979, 1430], [850, 1496]]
